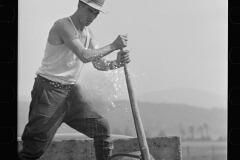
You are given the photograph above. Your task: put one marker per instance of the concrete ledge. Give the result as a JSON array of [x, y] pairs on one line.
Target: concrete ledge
[[161, 148]]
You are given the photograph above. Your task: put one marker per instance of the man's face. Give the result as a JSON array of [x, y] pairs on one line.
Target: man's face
[[87, 14]]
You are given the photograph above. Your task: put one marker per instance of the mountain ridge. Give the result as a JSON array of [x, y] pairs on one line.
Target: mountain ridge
[[186, 96]]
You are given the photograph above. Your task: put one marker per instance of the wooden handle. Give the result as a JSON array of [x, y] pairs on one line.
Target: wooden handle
[[136, 117]]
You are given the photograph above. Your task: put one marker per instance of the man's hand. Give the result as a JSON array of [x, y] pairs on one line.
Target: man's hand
[[120, 42], [122, 58]]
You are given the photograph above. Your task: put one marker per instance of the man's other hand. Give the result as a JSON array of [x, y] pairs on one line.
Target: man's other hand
[[123, 57], [120, 42]]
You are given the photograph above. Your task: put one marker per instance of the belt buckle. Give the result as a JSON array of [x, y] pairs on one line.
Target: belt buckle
[[69, 87]]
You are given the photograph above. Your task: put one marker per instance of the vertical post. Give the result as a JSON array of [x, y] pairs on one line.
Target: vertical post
[[136, 117]]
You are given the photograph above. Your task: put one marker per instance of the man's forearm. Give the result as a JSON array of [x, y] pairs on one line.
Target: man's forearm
[[113, 65], [105, 65], [90, 55]]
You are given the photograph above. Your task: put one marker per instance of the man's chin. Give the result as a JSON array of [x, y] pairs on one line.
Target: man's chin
[[88, 23]]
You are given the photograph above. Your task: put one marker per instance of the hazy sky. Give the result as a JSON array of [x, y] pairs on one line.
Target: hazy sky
[[172, 43]]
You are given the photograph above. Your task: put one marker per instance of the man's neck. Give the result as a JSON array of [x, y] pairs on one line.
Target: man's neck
[[76, 22]]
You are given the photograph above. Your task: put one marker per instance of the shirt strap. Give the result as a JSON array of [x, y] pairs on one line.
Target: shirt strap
[[88, 38]]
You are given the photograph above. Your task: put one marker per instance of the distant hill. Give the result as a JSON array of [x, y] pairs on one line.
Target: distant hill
[[157, 118], [186, 96], [168, 117]]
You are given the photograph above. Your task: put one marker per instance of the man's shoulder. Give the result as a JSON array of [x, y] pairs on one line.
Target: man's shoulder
[[61, 28], [62, 25], [62, 22]]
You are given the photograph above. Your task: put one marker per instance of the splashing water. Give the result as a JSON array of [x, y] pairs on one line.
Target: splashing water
[[102, 88]]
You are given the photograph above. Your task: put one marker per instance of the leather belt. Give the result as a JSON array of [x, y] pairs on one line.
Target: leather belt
[[64, 87]]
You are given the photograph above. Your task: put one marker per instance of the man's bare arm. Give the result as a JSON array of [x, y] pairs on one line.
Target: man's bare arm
[[103, 64], [86, 55]]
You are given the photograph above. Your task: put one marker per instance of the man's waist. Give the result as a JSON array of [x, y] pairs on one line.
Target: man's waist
[[56, 79], [65, 87]]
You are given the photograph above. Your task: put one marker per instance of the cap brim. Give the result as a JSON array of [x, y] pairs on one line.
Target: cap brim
[[96, 7]]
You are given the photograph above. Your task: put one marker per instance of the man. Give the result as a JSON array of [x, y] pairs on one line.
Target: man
[[55, 96]]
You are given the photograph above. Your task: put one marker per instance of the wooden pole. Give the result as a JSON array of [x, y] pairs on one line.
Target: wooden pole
[[136, 117]]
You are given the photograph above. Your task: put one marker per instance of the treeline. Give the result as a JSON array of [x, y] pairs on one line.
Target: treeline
[[190, 133]]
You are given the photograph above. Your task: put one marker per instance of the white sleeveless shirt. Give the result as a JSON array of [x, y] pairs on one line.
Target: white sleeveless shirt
[[60, 64]]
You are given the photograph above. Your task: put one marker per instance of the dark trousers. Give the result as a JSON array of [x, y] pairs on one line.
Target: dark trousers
[[49, 108]]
